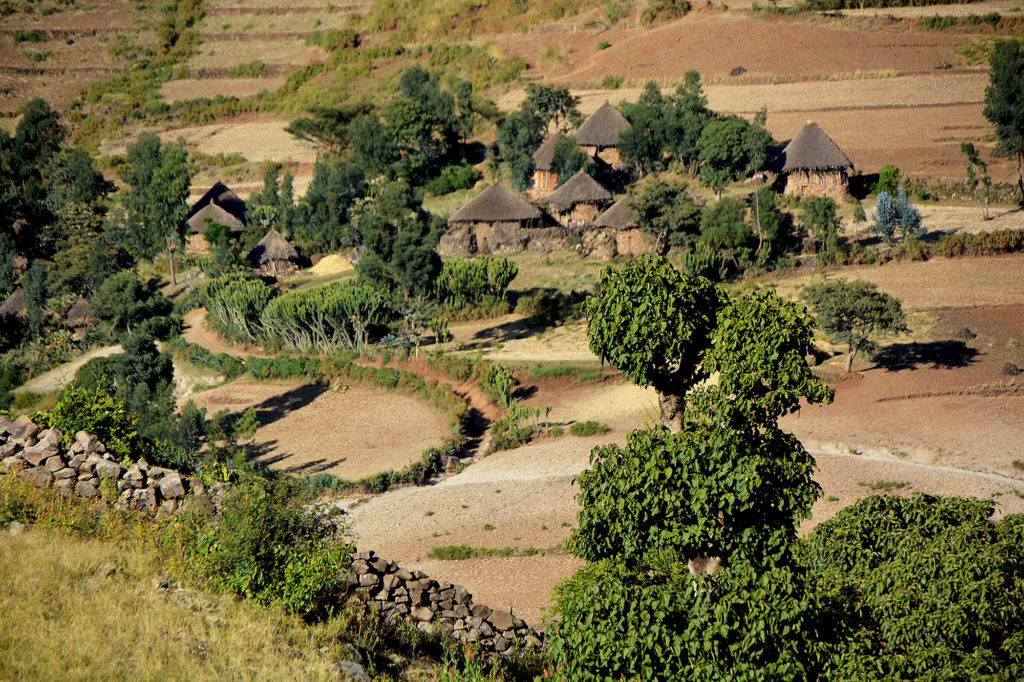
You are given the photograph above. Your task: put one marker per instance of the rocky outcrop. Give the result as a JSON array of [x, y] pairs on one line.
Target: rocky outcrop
[[85, 469], [435, 606]]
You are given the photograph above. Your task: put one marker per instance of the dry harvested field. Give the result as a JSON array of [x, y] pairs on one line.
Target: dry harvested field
[[191, 88], [307, 428], [218, 54], [1005, 7]]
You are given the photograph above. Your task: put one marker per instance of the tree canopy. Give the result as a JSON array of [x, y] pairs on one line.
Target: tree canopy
[[1004, 102]]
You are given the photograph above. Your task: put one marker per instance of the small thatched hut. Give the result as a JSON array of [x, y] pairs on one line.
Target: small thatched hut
[[78, 315], [616, 233], [493, 220], [273, 255], [219, 205], [599, 134], [545, 178], [812, 164], [579, 201]]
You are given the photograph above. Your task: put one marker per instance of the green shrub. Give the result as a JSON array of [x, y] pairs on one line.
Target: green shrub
[[588, 428], [603, 45], [334, 39], [610, 82], [664, 9], [453, 178], [498, 382], [29, 37], [97, 412], [253, 69], [516, 428], [981, 243], [473, 281], [938, 22], [271, 547]]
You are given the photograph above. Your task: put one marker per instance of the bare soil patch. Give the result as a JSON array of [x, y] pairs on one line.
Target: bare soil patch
[[308, 428], [195, 330]]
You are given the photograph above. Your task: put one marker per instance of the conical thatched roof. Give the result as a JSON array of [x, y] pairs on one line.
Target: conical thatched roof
[[812, 149], [210, 214], [14, 306], [495, 204], [619, 217], [602, 128], [78, 315], [545, 154], [220, 196], [273, 247], [580, 189]]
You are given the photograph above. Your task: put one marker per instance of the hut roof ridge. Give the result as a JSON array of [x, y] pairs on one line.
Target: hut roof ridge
[[812, 148], [496, 203], [580, 188], [273, 246], [602, 128], [620, 216]]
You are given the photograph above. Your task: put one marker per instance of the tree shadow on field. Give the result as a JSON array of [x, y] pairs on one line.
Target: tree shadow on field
[[938, 354], [279, 406], [507, 331]]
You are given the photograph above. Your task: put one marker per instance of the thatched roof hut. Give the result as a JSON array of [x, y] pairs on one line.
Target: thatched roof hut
[[273, 254], [219, 205], [496, 204], [812, 164], [599, 134], [579, 201], [78, 315], [619, 217]]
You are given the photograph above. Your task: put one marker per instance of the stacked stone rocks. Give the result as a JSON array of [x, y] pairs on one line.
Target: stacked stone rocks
[[80, 469], [433, 605]]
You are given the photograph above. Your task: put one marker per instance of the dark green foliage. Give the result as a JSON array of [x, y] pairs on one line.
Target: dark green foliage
[[978, 178], [399, 238], [553, 105], [328, 126], [157, 201], [981, 243], [72, 178], [730, 148], [324, 222], [234, 304], [890, 179], [1004, 102], [520, 134], [722, 226], [373, 146], [653, 323], [474, 281], [666, 125], [94, 410], [925, 587], [853, 312], [268, 546], [643, 143], [23, 159], [588, 428], [569, 159], [36, 289], [667, 210], [615, 623], [664, 9], [7, 253], [453, 178], [123, 301], [819, 219]]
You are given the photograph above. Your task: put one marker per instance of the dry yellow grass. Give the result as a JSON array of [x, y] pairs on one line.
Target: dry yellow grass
[[273, 23], [226, 53], [190, 88], [87, 610], [1007, 7]]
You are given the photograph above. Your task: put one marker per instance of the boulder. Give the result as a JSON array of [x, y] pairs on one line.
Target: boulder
[[157, 473], [171, 486], [23, 427], [501, 645], [369, 579], [350, 671], [65, 474], [86, 489], [16, 528], [197, 504], [39, 453], [108, 469], [502, 620], [11, 464], [5, 424], [480, 611], [422, 613], [50, 436], [77, 461], [9, 448], [55, 463], [135, 476], [66, 486], [145, 500], [89, 443], [39, 476]]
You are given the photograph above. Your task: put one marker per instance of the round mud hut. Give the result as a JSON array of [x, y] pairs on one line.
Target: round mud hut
[[495, 221], [218, 206], [599, 134], [78, 316], [578, 202], [616, 233], [813, 165], [273, 255]]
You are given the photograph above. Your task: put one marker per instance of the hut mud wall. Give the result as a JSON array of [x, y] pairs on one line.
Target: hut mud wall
[[818, 183], [544, 183], [580, 215], [197, 244], [606, 243], [610, 155], [463, 240]]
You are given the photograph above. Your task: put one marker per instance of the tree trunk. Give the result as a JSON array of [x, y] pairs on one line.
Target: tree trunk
[[170, 259], [671, 407], [849, 359]]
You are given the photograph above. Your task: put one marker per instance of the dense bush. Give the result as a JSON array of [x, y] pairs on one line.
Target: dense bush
[[981, 243], [453, 178], [473, 281], [234, 304], [95, 411], [269, 546], [341, 315], [498, 382]]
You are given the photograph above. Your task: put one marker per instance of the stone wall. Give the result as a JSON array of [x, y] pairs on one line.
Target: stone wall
[[463, 240], [80, 467], [436, 606]]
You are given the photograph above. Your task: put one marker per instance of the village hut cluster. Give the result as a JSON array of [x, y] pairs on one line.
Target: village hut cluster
[[583, 212]]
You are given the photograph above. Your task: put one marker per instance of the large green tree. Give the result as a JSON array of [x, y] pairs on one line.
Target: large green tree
[[667, 210], [853, 313], [158, 179], [653, 323], [1004, 102]]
